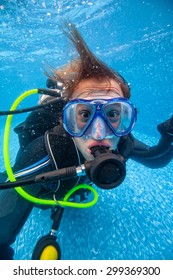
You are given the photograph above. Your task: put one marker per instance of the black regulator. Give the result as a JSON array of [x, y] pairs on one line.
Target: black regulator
[[106, 171]]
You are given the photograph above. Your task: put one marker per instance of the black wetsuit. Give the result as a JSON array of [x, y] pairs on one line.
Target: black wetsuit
[[53, 150]]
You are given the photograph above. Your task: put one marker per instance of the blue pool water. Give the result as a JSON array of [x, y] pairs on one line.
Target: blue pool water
[[135, 220]]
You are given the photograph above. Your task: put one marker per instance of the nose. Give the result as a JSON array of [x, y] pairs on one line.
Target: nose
[[98, 129]]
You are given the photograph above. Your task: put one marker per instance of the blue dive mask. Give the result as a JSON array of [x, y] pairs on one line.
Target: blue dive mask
[[99, 117]]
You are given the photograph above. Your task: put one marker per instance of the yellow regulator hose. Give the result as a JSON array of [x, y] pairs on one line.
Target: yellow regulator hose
[[24, 194]]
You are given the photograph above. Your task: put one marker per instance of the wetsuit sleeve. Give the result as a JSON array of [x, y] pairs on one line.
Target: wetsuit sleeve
[[154, 157], [159, 155]]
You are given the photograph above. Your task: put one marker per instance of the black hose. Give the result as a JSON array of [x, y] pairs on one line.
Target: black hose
[[52, 176], [49, 92]]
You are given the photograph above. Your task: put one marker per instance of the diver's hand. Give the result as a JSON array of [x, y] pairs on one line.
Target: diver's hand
[[166, 128]]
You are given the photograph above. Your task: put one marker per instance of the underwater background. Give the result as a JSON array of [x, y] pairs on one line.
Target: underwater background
[[135, 220]]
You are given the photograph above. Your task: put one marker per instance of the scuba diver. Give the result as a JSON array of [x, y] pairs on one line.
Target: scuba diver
[[89, 129]]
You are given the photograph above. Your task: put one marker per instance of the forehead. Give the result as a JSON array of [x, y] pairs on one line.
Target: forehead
[[93, 89]]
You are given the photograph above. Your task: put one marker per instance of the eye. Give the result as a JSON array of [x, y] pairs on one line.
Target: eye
[[113, 115], [84, 115]]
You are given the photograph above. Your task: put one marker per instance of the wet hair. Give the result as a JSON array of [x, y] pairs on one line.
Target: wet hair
[[85, 66]]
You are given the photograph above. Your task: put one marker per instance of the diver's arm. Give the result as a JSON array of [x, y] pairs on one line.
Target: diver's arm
[[159, 155], [153, 157]]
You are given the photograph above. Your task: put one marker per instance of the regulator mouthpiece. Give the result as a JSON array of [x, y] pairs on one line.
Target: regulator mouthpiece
[[107, 170]]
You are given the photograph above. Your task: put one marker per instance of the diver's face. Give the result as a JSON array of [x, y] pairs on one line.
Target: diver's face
[[94, 89]]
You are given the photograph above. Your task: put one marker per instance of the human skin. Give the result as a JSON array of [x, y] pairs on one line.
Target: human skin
[[96, 89]]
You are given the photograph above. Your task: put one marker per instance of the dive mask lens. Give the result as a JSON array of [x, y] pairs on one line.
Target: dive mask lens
[[120, 116], [77, 116]]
